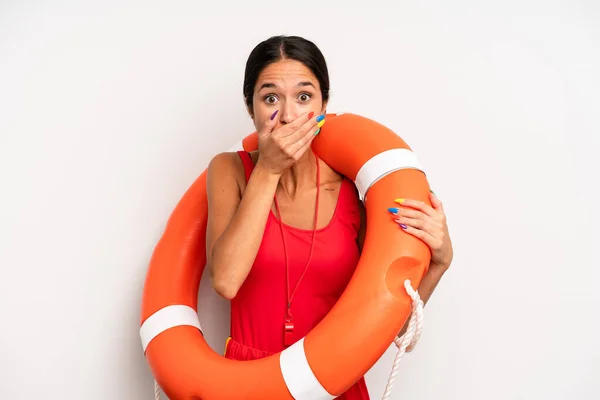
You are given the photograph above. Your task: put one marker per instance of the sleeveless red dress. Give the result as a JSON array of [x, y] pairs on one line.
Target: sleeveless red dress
[[258, 311]]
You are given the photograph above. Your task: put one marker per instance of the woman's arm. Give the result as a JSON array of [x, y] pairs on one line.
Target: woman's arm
[[236, 222]]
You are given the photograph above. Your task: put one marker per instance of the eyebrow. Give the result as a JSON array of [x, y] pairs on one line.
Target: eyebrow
[[271, 85]]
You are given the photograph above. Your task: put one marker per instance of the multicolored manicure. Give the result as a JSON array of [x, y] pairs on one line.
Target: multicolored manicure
[[274, 114], [320, 124], [310, 115], [403, 226], [399, 201], [320, 117], [317, 132], [393, 210]]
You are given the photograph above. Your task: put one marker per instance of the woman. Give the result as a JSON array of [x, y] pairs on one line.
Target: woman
[[285, 231]]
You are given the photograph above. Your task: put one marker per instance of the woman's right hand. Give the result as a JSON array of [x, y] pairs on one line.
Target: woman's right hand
[[279, 149]]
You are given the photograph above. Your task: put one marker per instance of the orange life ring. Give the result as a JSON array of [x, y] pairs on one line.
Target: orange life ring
[[355, 333]]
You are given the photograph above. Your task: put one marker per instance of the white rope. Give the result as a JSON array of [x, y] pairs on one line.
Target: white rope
[[409, 340], [156, 390]]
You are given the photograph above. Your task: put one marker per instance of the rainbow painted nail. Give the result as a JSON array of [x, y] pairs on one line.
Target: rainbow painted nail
[[320, 124], [393, 210], [317, 132], [403, 226], [399, 201], [274, 114], [320, 117]]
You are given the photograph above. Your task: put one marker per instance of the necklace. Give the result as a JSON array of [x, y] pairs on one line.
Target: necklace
[[288, 326]]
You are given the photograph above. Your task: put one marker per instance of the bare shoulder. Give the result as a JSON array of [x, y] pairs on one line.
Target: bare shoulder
[[224, 169], [225, 159]]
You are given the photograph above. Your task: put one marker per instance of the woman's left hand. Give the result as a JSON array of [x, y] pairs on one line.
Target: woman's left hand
[[427, 223]]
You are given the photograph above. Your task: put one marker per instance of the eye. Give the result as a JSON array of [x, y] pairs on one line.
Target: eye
[[304, 97], [270, 99]]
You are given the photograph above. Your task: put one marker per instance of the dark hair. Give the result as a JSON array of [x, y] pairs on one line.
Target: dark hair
[[284, 47]]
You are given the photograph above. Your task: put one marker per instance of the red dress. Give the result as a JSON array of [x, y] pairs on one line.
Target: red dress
[[258, 311]]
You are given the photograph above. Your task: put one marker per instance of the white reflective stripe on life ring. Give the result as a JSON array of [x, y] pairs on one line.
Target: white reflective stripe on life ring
[[165, 318], [299, 377], [382, 164]]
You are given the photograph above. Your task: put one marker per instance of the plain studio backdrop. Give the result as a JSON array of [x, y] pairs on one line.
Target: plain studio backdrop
[[108, 112]]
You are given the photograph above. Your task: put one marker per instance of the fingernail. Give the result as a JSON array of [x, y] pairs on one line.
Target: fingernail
[[320, 124], [274, 114], [310, 115], [317, 132], [393, 210], [403, 226], [320, 117], [432, 192], [399, 201]]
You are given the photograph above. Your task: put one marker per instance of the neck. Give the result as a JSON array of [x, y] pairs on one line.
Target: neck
[[300, 176]]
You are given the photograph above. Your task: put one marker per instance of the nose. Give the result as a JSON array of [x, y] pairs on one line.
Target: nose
[[289, 112]]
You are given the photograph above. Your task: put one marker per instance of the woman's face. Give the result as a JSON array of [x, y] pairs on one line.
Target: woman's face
[[288, 86]]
